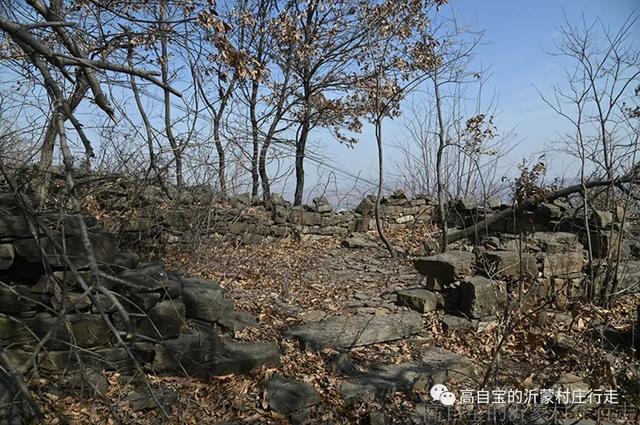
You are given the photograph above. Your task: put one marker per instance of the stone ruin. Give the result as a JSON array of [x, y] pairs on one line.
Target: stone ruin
[[177, 325], [252, 221], [544, 246], [186, 326]]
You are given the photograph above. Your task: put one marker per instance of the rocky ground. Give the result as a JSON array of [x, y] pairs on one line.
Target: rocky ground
[[285, 284], [350, 353]]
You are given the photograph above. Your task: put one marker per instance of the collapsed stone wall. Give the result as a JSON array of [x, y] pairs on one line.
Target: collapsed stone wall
[[254, 221], [544, 250], [53, 315]]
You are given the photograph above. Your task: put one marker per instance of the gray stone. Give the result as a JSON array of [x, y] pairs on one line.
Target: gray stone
[[420, 300], [16, 226], [602, 218], [437, 366], [376, 418], [204, 354], [509, 264], [205, 300], [164, 320], [238, 321], [18, 298], [358, 241], [571, 382], [605, 243], [562, 264], [91, 382], [447, 267], [480, 297], [15, 330], [357, 330], [494, 203], [193, 353], [365, 207], [549, 211], [242, 357], [103, 244], [466, 204], [628, 276], [150, 278], [7, 254], [322, 205], [287, 396], [126, 260], [556, 242], [453, 323], [87, 330]]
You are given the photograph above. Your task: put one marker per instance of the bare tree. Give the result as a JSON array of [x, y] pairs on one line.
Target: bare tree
[[599, 84]]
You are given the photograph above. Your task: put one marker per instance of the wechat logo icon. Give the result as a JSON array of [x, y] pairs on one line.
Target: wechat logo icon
[[442, 394]]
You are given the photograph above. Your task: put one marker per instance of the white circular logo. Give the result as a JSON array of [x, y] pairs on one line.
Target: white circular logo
[[448, 398], [437, 390]]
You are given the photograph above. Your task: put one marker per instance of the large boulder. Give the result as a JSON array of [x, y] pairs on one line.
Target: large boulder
[[358, 241], [102, 243], [479, 297], [290, 397], [602, 218], [437, 366], [555, 242], [447, 267], [205, 300], [509, 264], [365, 207], [147, 278], [204, 354], [420, 300], [82, 330], [164, 320], [562, 264], [357, 330], [242, 357], [322, 205], [7, 254]]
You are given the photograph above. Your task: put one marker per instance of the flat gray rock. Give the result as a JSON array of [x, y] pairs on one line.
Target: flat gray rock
[[288, 396], [358, 241], [448, 267], [437, 366], [357, 330], [420, 300]]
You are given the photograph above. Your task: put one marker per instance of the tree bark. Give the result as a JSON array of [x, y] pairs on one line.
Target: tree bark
[[379, 225], [300, 152], [442, 207], [164, 70]]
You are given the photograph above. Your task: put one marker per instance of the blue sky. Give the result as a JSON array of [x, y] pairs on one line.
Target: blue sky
[[517, 35]]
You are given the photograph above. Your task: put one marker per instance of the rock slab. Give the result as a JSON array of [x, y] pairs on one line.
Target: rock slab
[[357, 330]]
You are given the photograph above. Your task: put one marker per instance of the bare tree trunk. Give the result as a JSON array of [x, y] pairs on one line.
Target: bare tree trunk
[[301, 143], [222, 180], [164, 69], [442, 207], [257, 155], [145, 121], [379, 225], [46, 154], [301, 140]]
